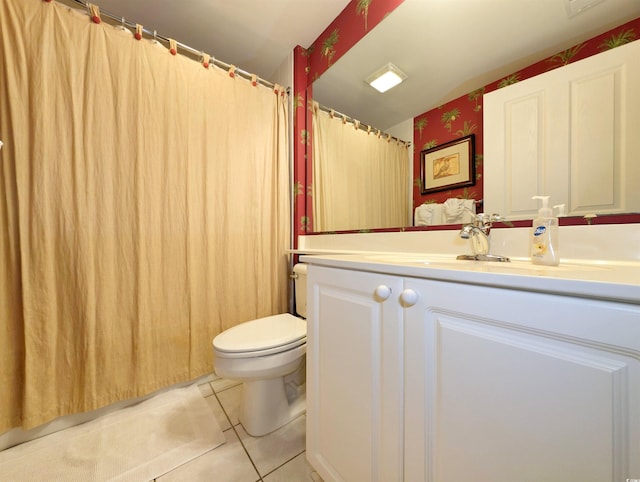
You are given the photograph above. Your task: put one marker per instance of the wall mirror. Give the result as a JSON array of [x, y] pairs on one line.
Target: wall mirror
[[447, 49]]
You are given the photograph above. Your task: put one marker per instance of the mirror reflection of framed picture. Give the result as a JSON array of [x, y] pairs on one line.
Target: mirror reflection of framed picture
[[448, 166]]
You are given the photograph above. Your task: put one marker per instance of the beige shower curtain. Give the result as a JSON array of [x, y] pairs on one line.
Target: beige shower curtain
[[360, 180], [143, 209]]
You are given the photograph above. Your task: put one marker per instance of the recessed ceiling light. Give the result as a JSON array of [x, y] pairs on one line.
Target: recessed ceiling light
[[385, 78]]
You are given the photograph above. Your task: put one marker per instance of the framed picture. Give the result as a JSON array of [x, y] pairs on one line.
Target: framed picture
[[448, 166]]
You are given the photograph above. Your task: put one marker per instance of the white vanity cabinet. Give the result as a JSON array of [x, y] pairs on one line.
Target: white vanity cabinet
[[445, 381], [354, 375], [505, 385]]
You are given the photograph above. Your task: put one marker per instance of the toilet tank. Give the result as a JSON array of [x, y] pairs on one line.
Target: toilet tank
[[300, 288]]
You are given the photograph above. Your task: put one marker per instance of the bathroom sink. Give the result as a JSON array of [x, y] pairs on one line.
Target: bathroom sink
[[413, 258], [487, 263], [564, 267], [483, 257], [410, 258]]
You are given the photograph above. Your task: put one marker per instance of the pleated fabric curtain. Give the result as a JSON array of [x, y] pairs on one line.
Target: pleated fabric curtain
[[360, 180], [144, 208]]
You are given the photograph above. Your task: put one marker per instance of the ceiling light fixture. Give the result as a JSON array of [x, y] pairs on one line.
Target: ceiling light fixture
[[386, 77]]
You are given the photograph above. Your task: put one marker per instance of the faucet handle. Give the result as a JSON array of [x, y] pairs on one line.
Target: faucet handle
[[484, 219]]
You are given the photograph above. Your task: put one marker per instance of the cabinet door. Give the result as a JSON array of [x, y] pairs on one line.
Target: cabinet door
[[503, 386], [567, 133], [354, 375]]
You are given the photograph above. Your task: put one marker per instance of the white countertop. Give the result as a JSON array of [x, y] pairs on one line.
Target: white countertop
[[607, 280]]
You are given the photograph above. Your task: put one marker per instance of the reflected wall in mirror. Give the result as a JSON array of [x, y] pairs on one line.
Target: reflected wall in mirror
[[354, 22], [467, 114], [564, 134], [490, 47]]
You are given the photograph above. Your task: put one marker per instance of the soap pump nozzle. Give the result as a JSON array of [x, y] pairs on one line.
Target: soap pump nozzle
[[560, 208], [545, 211]]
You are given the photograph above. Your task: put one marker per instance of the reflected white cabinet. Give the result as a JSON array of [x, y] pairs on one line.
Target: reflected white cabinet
[[570, 133], [442, 381]]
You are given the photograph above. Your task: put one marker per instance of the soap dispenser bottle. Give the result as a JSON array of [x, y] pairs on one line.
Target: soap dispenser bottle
[[544, 235]]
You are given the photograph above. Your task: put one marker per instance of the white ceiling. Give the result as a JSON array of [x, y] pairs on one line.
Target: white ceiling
[[254, 35], [447, 47]]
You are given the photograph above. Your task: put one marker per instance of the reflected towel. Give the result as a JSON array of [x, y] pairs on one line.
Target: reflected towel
[[460, 211], [429, 214]]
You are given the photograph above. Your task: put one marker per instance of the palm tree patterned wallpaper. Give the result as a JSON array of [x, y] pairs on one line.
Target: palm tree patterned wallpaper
[[455, 119], [353, 23]]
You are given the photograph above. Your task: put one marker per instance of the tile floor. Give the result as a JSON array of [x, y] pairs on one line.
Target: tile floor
[[276, 457]]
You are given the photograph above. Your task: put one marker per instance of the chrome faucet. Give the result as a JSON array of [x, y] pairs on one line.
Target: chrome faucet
[[478, 232]]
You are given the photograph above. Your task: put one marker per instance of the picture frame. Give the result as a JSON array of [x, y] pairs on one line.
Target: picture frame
[[448, 166]]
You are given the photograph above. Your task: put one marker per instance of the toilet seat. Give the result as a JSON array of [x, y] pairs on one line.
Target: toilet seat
[[264, 336]]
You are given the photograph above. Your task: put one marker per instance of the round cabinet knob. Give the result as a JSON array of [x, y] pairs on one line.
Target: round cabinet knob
[[409, 297], [383, 292]]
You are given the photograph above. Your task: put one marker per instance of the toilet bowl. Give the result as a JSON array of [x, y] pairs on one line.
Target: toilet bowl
[[267, 355]]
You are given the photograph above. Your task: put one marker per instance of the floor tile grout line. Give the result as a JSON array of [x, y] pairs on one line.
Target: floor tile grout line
[[261, 477], [187, 462], [248, 454], [284, 463], [224, 410], [232, 426], [208, 451], [239, 438]]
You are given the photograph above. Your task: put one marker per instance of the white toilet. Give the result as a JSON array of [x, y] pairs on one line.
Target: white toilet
[[268, 356]]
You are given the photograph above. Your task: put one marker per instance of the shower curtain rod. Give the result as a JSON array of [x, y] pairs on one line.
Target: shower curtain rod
[[198, 53], [361, 125]]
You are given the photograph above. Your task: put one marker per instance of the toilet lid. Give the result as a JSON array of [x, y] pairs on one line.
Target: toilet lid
[[262, 334]]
